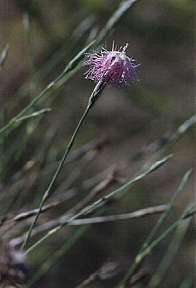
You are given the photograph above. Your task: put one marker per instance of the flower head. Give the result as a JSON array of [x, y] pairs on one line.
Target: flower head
[[114, 67]]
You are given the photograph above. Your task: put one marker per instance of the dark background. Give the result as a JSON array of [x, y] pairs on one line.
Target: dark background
[[43, 36]]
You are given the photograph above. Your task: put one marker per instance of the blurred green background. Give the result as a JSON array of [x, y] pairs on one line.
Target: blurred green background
[[43, 36]]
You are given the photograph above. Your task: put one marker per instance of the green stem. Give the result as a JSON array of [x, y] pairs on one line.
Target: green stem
[[94, 96]]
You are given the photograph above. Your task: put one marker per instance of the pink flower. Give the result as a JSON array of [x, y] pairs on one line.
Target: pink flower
[[113, 67]]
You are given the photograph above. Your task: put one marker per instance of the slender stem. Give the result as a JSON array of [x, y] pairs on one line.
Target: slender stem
[[94, 96]]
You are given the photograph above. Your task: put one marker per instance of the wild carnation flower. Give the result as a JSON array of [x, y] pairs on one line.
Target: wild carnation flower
[[113, 67]]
